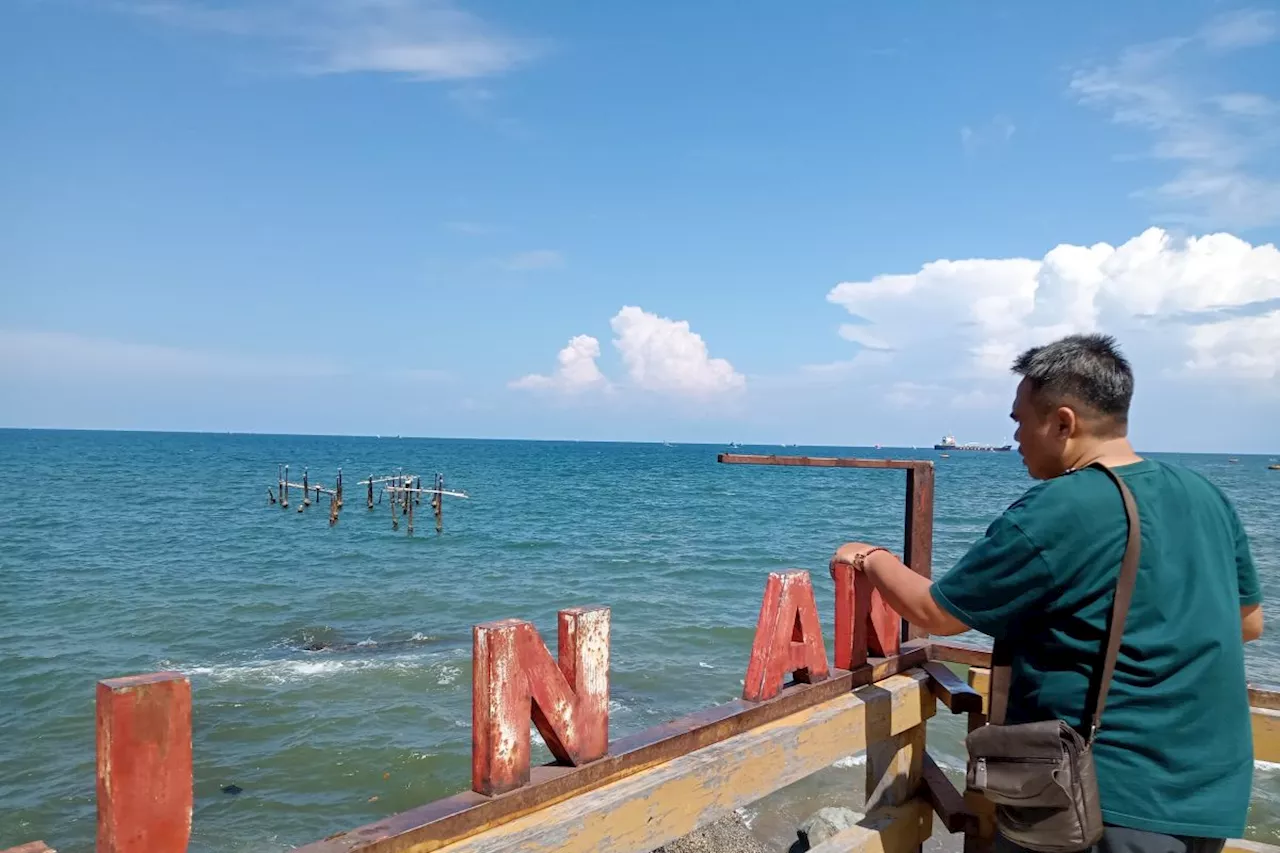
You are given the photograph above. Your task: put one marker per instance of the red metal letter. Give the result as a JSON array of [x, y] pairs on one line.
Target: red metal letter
[[864, 620], [515, 680], [788, 637], [144, 764]]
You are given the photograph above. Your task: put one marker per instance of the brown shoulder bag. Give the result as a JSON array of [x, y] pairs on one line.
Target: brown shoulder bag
[[1041, 775]]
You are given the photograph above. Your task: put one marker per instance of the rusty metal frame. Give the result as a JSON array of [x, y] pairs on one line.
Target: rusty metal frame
[[917, 527]]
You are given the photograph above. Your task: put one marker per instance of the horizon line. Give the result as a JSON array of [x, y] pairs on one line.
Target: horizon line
[[930, 448]]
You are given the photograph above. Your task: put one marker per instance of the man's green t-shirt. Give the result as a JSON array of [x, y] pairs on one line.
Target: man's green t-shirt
[[1174, 753]]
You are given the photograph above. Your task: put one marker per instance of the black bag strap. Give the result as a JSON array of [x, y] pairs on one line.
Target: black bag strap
[[1002, 655]]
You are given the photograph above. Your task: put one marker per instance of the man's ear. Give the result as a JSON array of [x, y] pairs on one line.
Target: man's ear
[[1066, 421]]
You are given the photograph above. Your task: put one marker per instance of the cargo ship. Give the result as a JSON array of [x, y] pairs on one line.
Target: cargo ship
[[949, 443]]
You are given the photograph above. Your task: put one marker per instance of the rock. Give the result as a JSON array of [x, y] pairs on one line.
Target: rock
[[232, 790], [727, 835], [827, 822]]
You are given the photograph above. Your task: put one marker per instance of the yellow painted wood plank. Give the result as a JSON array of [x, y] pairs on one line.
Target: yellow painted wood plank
[[655, 806], [1266, 734], [892, 829]]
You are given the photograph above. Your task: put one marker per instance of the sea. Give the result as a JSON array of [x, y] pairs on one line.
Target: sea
[[330, 666]]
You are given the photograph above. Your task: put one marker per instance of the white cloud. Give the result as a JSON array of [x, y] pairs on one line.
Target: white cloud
[[660, 355], [577, 371], [1209, 305], [419, 39], [1222, 143], [537, 259], [665, 355], [1241, 28]]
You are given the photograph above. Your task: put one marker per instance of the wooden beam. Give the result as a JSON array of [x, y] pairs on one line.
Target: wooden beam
[[980, 682], [666, 802], [979, 839], [1239, 845], [433, 825], [950, 690], [890, 830], [948, 803], [1263, 697], [1266, 734], [953, 651], [893, 767]]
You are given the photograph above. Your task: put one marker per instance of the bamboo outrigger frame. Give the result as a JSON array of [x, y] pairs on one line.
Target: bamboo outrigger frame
[[647, 789]]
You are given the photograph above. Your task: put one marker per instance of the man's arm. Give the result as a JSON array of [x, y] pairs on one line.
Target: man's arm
[[1251, 622], [905, 591]]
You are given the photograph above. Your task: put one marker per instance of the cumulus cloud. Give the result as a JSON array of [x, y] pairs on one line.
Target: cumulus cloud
[[1222, 144], [1210, 305], [665, 355], [577, 370], [660, 355], [418, 39]]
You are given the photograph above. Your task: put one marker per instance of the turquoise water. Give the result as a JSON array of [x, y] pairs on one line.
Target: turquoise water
[[131, 552]]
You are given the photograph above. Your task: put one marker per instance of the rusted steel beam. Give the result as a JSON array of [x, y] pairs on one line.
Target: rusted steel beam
[[144, 764], [953, 651], [434, 825], [514, 680], [788, 638], [951, 691], [917, 544], [917, 535], [665, 802], [948, 803], [816, 461]]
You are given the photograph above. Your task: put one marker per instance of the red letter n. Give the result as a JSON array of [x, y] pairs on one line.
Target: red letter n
[[515, 680], [788, 637], [864, 620]]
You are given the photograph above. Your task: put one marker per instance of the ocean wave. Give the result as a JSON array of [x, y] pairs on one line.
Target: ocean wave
[[287, 671]]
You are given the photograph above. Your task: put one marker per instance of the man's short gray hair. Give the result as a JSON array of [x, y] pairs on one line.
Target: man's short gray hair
[[1088, 369]]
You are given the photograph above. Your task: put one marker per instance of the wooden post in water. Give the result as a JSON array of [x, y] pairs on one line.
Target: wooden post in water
[[284, 489], [306, 490], [391, 499], [271, 496], [439, 499], [339, 489], [417, 496], [408, 502], [370, 492]]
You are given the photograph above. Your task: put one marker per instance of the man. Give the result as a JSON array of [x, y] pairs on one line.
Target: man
[[1174, 753]]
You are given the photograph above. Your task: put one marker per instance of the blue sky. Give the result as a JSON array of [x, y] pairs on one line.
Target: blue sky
[[826, 222]]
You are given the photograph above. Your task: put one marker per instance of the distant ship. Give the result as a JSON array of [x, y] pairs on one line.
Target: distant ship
[[949, 443]]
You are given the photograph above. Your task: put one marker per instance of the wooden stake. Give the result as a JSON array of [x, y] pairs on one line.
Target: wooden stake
[[370, 491], [306, 491], [439, 499], [417, 497], [284, 489], [408, 501], [271, 496]]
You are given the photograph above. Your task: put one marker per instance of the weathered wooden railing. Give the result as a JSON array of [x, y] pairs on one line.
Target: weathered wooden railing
[[798, 714]]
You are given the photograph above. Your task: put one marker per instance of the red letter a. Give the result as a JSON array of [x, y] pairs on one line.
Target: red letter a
[[788, 637]]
